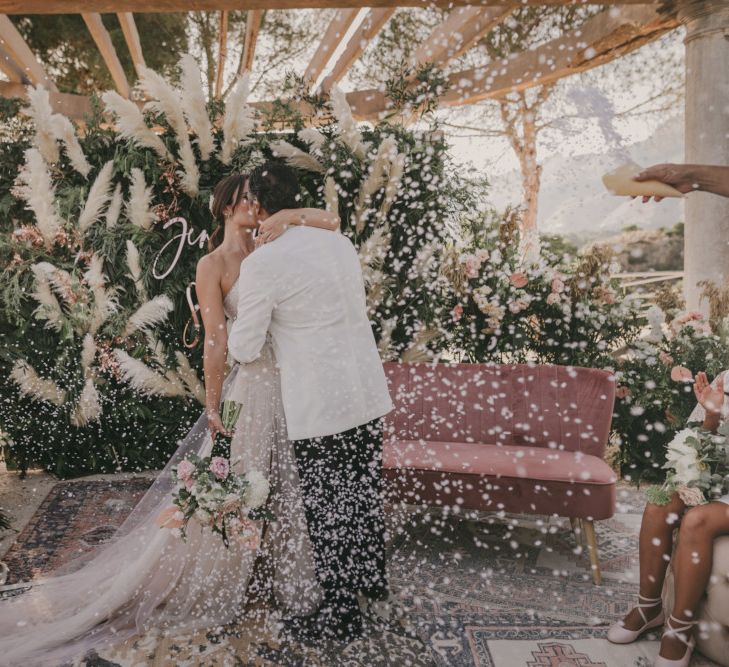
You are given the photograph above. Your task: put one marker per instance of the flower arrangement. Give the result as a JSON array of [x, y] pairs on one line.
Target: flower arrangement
[[209, 493], [696, 465]]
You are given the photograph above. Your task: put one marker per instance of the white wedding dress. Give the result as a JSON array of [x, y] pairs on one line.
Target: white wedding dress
[[145, 578]]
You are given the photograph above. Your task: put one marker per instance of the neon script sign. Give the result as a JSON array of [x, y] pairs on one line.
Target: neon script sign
[[184, 238]]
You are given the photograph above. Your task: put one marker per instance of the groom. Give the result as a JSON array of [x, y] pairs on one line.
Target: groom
[[306, 290]]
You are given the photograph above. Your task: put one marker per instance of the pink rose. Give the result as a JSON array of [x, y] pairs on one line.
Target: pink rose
[[219, 467], [622, 392], [553, 298], [457, 312], [665, 358], [184, 470], [681, 374], [517, 306], [557, 285], [518, 279]]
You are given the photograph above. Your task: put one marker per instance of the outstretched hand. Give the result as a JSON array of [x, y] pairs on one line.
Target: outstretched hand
[[676, 175], [711, 398]]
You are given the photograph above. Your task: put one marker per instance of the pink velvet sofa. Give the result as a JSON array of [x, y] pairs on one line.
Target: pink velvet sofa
[[511, 438]]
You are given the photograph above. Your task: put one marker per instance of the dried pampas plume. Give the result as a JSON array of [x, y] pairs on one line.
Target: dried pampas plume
[[140, 199], [348, 130], [418, 350], [296, 157], [88, 353], [150, 313], [165, 99], [39, 111], [130, 124], [32, 385], [88, 408], [313, 137], [144, 379], [105, 301], [135, 270], [189, 377], [97, 198], [239, 120], [376, 179], [39, 194], [331, 197], [194, 107], [49, 308], [112, 213], [67, 134]]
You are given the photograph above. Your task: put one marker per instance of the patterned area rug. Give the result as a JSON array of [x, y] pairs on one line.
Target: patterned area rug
[[482, 590]]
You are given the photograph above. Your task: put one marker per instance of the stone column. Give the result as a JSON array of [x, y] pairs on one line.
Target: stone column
[[706, 245]]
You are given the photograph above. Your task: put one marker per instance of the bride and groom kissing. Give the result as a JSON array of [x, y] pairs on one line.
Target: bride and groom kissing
[[286, 313]]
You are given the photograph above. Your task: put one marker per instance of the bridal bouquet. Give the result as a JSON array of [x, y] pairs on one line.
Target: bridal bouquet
[[697, 467], [211, 494]]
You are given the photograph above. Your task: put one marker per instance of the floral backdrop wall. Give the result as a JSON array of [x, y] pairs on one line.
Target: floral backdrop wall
[[101, 227]]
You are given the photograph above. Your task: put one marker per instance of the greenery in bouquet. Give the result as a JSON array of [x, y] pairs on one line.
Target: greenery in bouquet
[[212, 495], [654, 386], [696, 467]]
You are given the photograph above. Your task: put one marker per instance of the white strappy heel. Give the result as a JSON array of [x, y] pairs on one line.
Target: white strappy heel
[[680, 632], [619, 634]]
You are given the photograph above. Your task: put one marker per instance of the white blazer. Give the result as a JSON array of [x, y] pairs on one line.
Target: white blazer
[[306, 289]]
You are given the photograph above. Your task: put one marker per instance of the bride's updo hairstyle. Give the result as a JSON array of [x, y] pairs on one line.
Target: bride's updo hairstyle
[[226, 189]]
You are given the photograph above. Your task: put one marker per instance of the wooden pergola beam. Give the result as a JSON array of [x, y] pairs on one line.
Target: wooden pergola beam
[[253, 27], [222, 53], [113, 6], [609, 35], [370, 26], [18, 59], [108, 52], [131, 36], [463, 27], [73, 106], [10, 68], [334, 34]]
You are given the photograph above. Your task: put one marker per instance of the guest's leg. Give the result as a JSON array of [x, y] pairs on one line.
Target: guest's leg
[[655, 545], [692, 565]]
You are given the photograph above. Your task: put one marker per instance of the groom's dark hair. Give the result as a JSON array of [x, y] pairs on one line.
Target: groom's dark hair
[[275, 186]]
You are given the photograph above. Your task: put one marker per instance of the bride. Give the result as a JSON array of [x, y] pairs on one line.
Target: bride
[[146, 578]]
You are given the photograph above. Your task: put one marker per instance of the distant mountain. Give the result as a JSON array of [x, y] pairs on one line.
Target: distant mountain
[[573, 201]]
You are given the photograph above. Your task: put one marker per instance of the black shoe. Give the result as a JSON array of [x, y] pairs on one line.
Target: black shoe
[[323, 626], [390, 615]]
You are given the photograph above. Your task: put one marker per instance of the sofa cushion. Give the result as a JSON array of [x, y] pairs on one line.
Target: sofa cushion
[[517, 461]]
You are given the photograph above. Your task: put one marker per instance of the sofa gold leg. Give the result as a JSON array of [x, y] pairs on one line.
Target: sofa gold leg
[[588, 528]]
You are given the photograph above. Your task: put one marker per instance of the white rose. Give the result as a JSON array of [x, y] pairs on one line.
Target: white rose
[[257, 491]]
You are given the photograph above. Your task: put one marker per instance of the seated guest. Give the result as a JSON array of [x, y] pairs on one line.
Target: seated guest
[[692, 561]]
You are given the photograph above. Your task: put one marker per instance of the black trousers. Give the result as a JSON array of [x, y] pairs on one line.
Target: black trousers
[[341, 483]]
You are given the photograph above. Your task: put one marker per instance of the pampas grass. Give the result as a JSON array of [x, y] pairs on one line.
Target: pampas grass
[[375, 180], [165, 99], [39, 110], [49, 308], [348, 131], [130, 124], [397, 169], [135, 270], [331, 197], [112, 213], [193, 100], [39, 194], [105, 301], [144, 379], [313, 137], [32, 385], [189, 377], [66, 133], [418, 350], [296, 157], [238, 120], [88, 353], [97, 198], [88, 407], [150, 313], [139, 202]]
